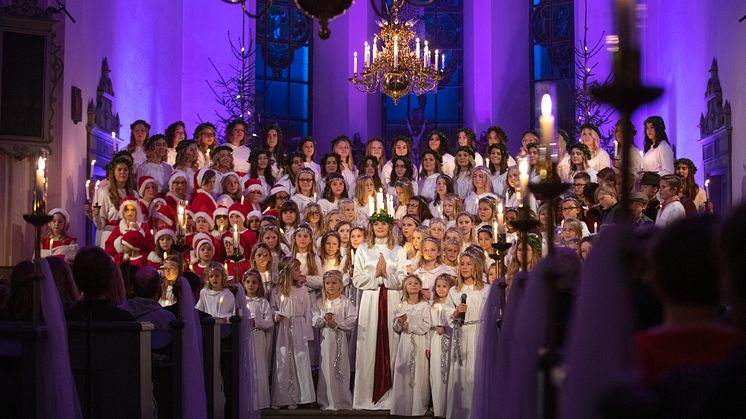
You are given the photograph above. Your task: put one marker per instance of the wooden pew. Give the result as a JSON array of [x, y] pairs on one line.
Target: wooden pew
[[230, 361], [211, 360], [166, 345], [113, 378], [20, 372]]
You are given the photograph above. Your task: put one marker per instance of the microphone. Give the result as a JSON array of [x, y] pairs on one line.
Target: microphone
[[463, 301]]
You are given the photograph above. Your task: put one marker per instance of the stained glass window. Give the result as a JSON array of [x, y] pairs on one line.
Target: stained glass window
[[441, 23], [552, 57], [283, 67]]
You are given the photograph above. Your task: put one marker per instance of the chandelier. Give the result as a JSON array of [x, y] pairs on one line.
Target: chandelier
[[395, 68]]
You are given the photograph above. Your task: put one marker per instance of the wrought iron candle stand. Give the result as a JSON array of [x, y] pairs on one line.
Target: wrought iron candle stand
[[501, 250], [180, 246], [38, 219]]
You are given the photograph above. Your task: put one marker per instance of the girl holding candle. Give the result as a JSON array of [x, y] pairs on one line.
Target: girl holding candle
[[467, 138], [303, 250], [236, 138], [634, 153], [481, 187], [591, 137], [59, 244], [401, 172], [305, 189], [430, 265], [440, 343], [262, 316], [411, 381], [273, 143], [465, 322], [206, 140], [365, 197], [498, 167], [231, 265], [431, 163], [335, 190], [289, 220], [291, 375], [187, 154], [130, 218], [106, 200], [438, 142], [215, 298], [462, 175], [164, 240], [139, 132], [260, 167], [156, 166], [658, 155], [343, 147], [402, 146], [443, 187], [379, 268], [335, 316], [261, 261]]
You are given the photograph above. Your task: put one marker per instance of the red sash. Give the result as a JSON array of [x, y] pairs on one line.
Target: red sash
[[382, 380]]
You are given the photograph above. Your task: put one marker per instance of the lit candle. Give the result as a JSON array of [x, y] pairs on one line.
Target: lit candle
[[390, 204], [379, 199], [179, 212], [39, 204], [114, 141], [51, 241], [235, 238], [707, 189], [396, 50], [436, 59], [500, 217], [494, 231], [220, 303], [282, 304], [191, 267], [328, 306], [315, 198], [443, 62], [225, 266], [523, 177], [354, 62], [242, 197], [88, 190], [371, 208], [595, 226], [165, 256], [93, 164], [417, 48], [546, 120], [375, 47], [366, 57], [616, 149]]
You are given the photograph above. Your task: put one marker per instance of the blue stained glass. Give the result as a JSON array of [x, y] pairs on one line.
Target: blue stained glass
[[259, 62], [277, 100], [394, 112], [298, 98], [448, 104], [299, 68], [542, 64]]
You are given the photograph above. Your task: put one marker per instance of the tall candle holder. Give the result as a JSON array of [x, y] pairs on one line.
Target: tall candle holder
[[501, 250]]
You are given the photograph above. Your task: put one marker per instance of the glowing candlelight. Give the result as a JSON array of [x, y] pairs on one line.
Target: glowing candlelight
[[390, 204], [235, 238], [436, 59], [328, 306], [616, 149], [354, 62], [220, 303], [51, 241], [366, 58], [546, 120], [88, 190], [371, 204], [179, 212], [494, 231], [595, 226], [375, 47], [225, 266], [707, 189], [315, 198], [93, 164], [165, 256], [500, 217], [523, 177], [242, 198], [379, 199], [396, 50], [417, 48]]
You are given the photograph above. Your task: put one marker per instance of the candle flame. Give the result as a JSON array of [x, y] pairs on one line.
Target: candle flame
[[523, 167], [499, 207], [546, 105], [41, 164], [707, 183]]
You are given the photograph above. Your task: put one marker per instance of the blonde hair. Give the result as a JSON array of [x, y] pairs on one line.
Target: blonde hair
[[311, 265], [487, 178], [405, 295], [458, 205], [442, 277], [334, 274], [360, 198], [407, 191], [515, 264], [216, 267], [390, 243], [437, 244], [477, 264], [253, 272], [321, 225], [284, 277]]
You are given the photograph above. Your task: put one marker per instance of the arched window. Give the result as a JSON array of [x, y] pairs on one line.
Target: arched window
[[283, 67]]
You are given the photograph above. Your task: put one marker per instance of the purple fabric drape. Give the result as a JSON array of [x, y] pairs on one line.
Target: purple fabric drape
[[599, 351], [59, 398], [193, 396]]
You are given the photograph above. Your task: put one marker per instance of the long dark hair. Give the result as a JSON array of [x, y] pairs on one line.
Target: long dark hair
[[660, 132], [254, 166], [279, 150], [443, 146], [328, 194], [171, 132], [503, 160], [407, 163], [331, 155]]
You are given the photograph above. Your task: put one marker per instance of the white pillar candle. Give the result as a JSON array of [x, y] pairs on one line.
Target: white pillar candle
[[436, 59], [546, 120], [88, 190], [500, 217], [354, 62], [417, 48], [396, 50]]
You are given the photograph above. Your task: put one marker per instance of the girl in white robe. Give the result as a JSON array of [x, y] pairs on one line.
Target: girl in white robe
[[215, 299], [465, 321], [379, 268], [292, 383], [261, 314], [440, 343], [335, 316], [411, 376]]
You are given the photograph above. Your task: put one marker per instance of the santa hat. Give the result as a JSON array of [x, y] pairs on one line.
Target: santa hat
[[252, 184], [279, 187], [254, 213], [134, 239], [129, 200], [199, 175], [164, 231], [238, 179], [203, 213], [63, 213], [200, 238], [156, 202], [238, 209], [165, 214], [142, 182], [220, 210], [175, 175]]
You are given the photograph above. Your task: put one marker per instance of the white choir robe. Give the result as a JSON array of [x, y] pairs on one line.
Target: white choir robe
[[428, 277], [108, 215], [498, 183], [333, 389], [261, 312], [462, 183], [364, 279], [327, 206], [302, 201], [241, 155], [427, 186], [659, 159], [160, 172], [312, 281], [411, 391], [461, 374], [600, 161], [389, 167], [471, 202], [220, 304], [292, 383], [440, 356]]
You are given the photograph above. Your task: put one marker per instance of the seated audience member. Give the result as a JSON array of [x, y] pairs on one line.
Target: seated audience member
[[637, 203], [144, 306], [94, 273], [20, 293], [649, 185], [687, 277]]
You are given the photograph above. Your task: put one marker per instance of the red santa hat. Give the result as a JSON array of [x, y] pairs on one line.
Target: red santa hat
[[279, 187], [165, 214], [164, 231], [130, 200], [134, 239], [252, 184], [156, 202], [254, 213], [238, 209], [199, 175], [63, 213], [220, 210], [204, 213], [200, 238], [142, 182], [238, 179], [176, 174]]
